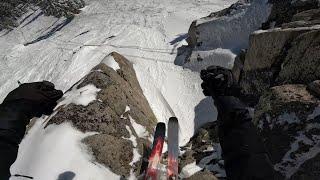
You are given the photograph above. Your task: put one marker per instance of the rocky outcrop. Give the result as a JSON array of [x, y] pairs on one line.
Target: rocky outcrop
[[215, 39], [120, 115], [288, 12], [288, 119], [203, 152], [279, 56], [279, 76]]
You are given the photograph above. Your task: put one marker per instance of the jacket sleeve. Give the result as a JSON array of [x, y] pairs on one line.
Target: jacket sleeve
[[243, 150], [12, 129]]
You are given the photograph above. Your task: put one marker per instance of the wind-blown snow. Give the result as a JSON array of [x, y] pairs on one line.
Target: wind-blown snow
[[111, 62], [57, 151]]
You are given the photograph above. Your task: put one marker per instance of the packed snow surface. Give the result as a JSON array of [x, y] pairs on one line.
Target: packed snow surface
[[147, 32]]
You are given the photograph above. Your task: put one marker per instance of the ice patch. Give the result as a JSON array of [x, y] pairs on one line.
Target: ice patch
[[111, 62], [50, 152], [82, 96]]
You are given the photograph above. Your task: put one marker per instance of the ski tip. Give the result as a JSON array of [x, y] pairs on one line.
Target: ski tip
[[161, 125], [173, 119]]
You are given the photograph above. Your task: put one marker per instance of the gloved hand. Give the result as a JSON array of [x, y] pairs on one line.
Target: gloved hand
[[34, 99], [27, 101], [218, 81]]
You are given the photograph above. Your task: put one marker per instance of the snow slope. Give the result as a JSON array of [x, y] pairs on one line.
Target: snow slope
[[147, 32]]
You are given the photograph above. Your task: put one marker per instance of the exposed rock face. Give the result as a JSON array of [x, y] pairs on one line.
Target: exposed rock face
[[280, 73], [314, 88], [302, 63], [119, 106], [205, 151], [288, 118], [285, 11], [278, 56]]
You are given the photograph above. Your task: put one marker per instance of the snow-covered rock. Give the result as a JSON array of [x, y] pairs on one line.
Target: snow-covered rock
[[202, 157], [110, 104], [288, 118], [271, 59], [217, 38]]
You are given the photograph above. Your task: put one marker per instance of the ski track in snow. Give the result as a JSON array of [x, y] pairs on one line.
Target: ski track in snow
[[141, 30]]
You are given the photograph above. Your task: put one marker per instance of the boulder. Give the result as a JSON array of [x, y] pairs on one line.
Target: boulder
[[287, 117], [219, 37], [304, 19], [229, 28], [284, 11], [274, 58], [119, 114], [302, 62], [238, 65], [314, 88]]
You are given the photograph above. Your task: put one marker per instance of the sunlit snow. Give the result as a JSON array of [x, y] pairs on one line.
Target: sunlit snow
[[141, 30]]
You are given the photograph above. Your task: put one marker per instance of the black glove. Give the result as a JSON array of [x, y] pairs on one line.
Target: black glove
[[218, 81], [27, 101]]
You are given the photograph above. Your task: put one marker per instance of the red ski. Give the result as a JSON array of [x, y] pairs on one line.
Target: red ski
[[152, 172]]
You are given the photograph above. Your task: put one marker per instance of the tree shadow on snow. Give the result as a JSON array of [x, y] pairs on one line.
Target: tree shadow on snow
[[68, 175], [205, 112]]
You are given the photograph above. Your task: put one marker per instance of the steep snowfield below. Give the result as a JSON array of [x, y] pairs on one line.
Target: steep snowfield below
[[147, 32]]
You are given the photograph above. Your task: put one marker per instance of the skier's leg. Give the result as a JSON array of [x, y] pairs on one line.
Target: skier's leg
[[243, 151], [8, 154]]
